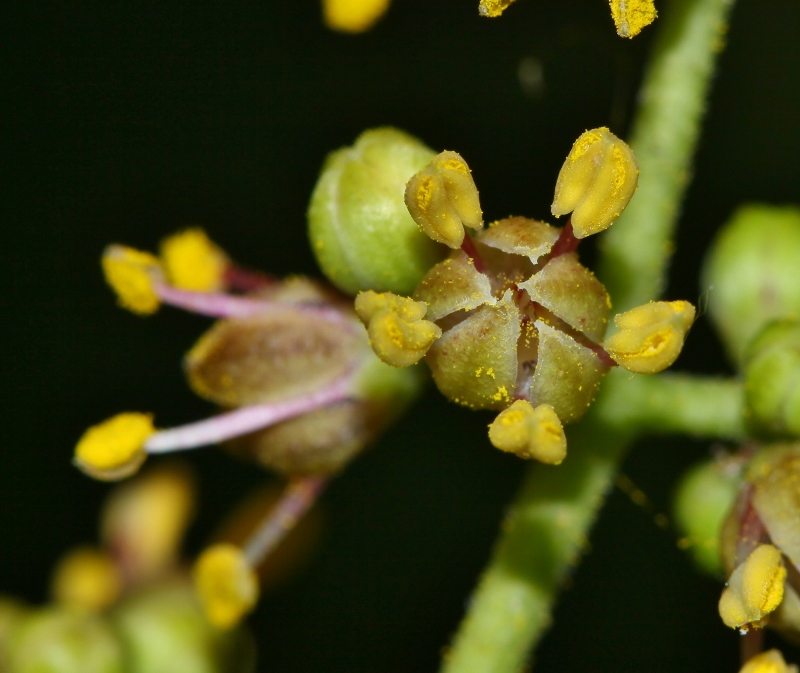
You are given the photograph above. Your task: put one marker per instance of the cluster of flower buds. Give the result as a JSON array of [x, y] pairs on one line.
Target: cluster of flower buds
[[127, 605], [291, 366], [511, 320]]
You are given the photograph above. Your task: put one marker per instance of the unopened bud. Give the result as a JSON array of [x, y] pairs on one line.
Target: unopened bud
[[442, 199], [772, 378], [361, 232], [752, 273], [60, 640], [596, 182], [703, 499]]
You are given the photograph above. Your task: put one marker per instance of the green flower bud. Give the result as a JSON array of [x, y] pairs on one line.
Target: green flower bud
[[60, 640], [361, 232], [164, 629], [772, 378], [702, 501], [752, 273], [12, 614]]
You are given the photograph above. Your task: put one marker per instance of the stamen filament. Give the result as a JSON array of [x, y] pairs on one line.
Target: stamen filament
[[300, 494], [468, 246], [247, 419], [221, 305], [566, 243]]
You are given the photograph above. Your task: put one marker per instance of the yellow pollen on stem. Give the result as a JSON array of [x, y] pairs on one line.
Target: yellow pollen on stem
[[130, 273], [192, 262], [226, 584], [114, 448], [353, 16]]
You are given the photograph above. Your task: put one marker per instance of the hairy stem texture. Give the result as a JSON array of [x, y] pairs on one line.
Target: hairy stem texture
[[637, 248]]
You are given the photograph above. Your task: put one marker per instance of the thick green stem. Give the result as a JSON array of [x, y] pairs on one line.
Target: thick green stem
[[673, 404], [543, 536], [548, 523], [637, 248]]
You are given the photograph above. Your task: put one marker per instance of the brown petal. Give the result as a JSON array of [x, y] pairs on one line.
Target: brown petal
[[272, 356], [453, 285], [567, 374]]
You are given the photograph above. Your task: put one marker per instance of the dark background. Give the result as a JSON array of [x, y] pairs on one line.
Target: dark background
[[124, 123]]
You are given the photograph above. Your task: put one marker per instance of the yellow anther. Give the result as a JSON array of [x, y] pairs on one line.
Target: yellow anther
[[530, 432], [114, 449], [630, 16], [442, 199], [192, 261], [762, 580], [397, 332], [353, 16], [650, 336], [131, 273], [754, 589], [86, 578], [226, 584], [493, 7], [596, 182], [771, 661]]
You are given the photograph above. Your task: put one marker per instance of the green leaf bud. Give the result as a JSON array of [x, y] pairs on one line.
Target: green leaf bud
[[772, 378], [164, 629], [752, 273], [12, 614], [360, 229], [703, 498], [61, 640]]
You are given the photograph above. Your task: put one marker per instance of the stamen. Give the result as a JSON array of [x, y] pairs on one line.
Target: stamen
[[245, 420], [566, 243], [221, 305], [297, 499], [468, 246]]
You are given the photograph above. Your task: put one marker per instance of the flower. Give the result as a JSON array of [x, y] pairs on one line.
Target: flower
[[511, 320], [301, 391]]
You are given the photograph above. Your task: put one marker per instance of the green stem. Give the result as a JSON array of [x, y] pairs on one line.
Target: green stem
[[543, 536], [549, 521], [673, 404], [637, 248]]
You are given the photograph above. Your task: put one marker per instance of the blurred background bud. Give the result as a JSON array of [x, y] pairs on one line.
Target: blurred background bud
[[772, 378], [361, 232], [164, 630], [64, 640], [703, 498], [752, 273]]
